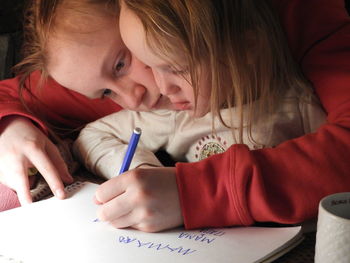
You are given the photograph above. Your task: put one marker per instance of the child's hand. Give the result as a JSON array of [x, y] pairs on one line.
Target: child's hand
[[22, 145], [143, 198]]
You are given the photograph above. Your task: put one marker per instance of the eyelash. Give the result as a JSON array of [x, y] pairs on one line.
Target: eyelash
[[178, 72], [119, 66], [106, 93], [122, 64], [174, 71], [117, 69]]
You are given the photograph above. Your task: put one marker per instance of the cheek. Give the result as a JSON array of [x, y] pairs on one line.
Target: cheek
[[143, 75], [157, 77], [146, 77], [89, 87], [189, 93], [186, 88], [119, 101]]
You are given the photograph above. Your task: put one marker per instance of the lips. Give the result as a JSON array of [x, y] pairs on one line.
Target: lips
[[163, 102], [182, 105]]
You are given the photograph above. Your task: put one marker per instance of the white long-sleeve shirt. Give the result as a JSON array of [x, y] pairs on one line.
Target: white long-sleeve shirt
[[102, 144]]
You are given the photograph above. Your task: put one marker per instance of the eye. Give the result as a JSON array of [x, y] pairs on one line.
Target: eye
[[106, 93], [120, 65], [178, 72]]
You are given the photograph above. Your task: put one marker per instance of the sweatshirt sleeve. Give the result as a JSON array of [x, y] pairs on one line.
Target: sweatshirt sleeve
[[102, 144], [51, 104], [10, 103], [284, 184]]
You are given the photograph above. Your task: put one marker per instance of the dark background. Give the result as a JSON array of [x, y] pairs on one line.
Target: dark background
[[11, 12], [11, 15]]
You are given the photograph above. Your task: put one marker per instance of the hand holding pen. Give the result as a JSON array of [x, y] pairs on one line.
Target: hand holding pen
[[146, 199]]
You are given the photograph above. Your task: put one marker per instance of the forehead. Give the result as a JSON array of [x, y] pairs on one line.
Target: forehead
[[83, 15], [78, 60], [77, 26], [134, 37], [99, 33]]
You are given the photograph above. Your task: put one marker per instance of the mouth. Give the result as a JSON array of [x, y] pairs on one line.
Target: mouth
[[182, 105], [165, 102]]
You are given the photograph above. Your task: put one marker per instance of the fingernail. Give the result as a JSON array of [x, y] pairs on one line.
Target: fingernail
[[96, 201], [60, 193]]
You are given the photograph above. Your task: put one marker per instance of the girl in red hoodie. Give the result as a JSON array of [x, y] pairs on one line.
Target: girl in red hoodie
[[312, 166]]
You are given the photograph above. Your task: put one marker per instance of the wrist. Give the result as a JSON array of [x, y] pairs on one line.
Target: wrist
[[7, 120]]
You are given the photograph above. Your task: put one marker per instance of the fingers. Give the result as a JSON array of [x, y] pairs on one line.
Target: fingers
[[23, 145], [56, 158], [127, 202], [107, 211], [133, 220], [110, 189], [14, 175], [126, 215], [52, 167], [117, 202], [145, 199], [96, 201], [48, 170], [123, 221], [22, 189]]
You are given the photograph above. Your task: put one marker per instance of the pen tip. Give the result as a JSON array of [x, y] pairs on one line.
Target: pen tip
[[137, 130]]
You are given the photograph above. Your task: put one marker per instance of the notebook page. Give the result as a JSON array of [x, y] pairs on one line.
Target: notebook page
[[65, 231]]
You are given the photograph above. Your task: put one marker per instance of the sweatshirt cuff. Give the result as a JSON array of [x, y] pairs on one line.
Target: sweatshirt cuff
[[35, 120], [211, 194]]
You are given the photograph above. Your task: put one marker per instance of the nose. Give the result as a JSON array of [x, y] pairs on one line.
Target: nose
[[137, 89], [131, 96], [165, 85]]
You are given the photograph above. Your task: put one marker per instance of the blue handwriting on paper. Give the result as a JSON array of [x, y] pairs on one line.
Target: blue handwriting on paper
[[202, 235], [212, 231], [156, 246]]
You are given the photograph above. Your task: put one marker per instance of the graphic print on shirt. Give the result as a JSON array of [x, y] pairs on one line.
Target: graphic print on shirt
[[208, 146]]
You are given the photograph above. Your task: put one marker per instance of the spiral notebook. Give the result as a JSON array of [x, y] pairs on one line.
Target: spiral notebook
[[55, 230]]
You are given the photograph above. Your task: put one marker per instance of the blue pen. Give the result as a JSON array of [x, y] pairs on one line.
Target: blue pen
[[130, 150]]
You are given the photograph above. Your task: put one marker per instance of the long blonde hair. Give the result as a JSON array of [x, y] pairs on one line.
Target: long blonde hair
[[240, 40]]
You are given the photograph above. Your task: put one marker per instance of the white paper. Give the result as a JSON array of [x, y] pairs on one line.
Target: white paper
[[65, 231]]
